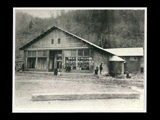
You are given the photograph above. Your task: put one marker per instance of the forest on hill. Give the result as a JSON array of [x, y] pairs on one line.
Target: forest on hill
[[106, 28]]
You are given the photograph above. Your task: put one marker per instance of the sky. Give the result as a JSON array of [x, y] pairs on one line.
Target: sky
[[42, 13]]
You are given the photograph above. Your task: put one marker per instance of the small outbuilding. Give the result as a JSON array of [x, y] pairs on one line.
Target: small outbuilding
[[133, 58], [116, 65]]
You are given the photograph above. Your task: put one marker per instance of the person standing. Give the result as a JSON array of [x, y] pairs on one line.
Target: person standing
[[96, 71], [22, 67], [127, 74], [101, 68]]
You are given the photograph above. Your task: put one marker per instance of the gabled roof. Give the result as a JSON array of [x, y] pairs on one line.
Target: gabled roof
[[116, 58], [53, 28], [126, 51]]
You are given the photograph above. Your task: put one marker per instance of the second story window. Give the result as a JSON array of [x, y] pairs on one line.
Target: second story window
[[52, 41], [59, 40]]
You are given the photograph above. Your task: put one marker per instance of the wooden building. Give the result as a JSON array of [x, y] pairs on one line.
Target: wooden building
[[57, 48], [133, 58]]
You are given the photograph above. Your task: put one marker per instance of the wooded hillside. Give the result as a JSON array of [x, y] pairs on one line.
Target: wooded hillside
[[106, 28]]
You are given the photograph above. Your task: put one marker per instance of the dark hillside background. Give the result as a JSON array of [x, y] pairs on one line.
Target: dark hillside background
[[106, 28]]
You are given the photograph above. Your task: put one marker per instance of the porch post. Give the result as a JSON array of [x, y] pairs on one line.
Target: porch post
[[47, 60], [36, 60], [122, 68], [26, 59], [76, 59], [63, 60]]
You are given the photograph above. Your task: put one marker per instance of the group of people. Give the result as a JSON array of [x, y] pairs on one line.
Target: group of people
[[100, 68]]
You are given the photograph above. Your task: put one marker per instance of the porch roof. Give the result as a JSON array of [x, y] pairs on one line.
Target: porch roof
[[126, 51]]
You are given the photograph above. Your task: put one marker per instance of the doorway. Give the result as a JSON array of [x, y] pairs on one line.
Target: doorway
[[51, 60], [55, 59]]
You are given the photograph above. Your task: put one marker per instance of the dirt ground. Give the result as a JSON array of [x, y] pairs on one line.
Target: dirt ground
[[26, 84]]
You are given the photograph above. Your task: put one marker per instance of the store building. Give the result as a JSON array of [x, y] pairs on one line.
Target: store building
[[57, 48]]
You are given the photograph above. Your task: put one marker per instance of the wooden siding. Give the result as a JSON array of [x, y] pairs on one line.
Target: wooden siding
[[66, 41], [132, 66]]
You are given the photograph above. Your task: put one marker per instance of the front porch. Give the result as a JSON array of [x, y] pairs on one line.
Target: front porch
[[80, 61]]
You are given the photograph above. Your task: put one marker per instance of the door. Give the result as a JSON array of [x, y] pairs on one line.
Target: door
[[51, 61]]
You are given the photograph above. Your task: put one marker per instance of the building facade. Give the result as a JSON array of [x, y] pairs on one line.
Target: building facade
[[57, 48]]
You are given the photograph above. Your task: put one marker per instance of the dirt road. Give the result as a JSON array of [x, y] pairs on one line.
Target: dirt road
[[28, 84]]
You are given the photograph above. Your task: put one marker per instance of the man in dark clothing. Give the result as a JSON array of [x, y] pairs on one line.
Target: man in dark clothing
[[127, 74], [101, 68], [96, 71], [22, 66]]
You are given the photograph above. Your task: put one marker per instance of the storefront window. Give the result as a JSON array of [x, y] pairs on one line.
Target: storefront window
[[83, 63], [70, 62], [79, 59]]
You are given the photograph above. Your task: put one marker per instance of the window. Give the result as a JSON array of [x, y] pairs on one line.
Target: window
[[84, 52], [83, 63], [52, 41], [31, 53], [80, 52], [42, 53], [70, 62], [59, 40]]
